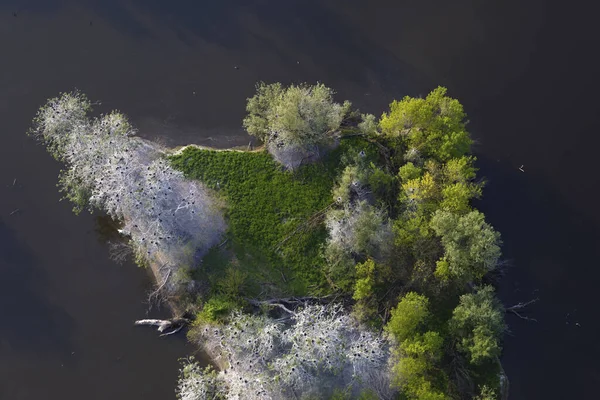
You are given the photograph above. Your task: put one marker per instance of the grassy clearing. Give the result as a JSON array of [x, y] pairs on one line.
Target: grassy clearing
[[275, 226]]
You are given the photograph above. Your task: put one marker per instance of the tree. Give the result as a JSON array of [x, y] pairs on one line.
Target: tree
[[368, 125], [471, 246], [408, 317], [293, 122], [486, 393], [477, 324], [409, 172], [460, 169], [196, 383], [457, 196], [458, 190], [415, 369], [417, 353], [433, 126], [421, 194], [260, 108], [357, 230], [319, 350], [169, 220], [363, 287], [352, 185]]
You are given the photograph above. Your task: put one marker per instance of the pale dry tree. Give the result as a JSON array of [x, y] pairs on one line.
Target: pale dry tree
[[318, 350], [359, 229], [196, 383], [163, 214], [295, 123]]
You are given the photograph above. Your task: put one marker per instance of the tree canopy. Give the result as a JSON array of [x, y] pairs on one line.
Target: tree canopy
[[471, 246], [434, 126], [408, 317], [293, 121], [477, 325]]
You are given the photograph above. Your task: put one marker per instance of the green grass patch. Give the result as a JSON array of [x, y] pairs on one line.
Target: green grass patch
[[275, 234]]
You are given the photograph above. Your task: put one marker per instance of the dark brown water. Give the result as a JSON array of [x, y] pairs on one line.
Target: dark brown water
[[526, 72]]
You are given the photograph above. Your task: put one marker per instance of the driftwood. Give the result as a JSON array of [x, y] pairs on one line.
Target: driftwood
[[175, 324], [520, 306]]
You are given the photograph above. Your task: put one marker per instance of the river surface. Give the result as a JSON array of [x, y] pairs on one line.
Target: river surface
[[525, 71]]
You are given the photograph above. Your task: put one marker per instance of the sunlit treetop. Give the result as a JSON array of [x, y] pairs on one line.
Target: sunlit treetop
[[433, 126]]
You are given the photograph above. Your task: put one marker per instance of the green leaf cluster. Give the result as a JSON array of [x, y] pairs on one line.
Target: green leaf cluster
[[419, 350], [434, 126], [477, 325], [471, 246]]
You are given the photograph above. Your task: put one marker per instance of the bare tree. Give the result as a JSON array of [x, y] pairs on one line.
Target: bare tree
[[319, 349], [168, 219], [359, 228]]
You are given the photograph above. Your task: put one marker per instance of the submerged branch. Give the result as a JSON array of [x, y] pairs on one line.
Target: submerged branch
[[519, 306]]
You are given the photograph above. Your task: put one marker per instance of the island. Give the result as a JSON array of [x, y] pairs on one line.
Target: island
[[341, 259]]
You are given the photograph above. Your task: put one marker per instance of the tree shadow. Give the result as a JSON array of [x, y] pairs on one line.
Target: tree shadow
[[288, 29], [28, 321], [553, 250]]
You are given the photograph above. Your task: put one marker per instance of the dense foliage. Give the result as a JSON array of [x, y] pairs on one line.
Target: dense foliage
[[359, 273], [392, 226], [434, 126]]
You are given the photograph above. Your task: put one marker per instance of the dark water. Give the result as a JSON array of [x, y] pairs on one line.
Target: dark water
[[526, 72]]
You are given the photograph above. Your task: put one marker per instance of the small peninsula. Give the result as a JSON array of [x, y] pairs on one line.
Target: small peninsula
[[341, 259]]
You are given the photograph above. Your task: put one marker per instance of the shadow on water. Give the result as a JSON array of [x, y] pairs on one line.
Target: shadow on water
[[315, 29], [106, 229], [29, 322], [551, 247]]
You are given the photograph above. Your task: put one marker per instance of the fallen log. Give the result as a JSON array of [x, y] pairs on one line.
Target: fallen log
[[164, 324]]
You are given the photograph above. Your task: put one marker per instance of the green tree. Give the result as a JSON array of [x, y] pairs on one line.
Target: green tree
[[293, 119], [434, 125], [421, 194], [409, 171], [381, 183], [460, 169], [471, 246], [477, 325], [216, 310], [363, 287], [415, 370], [486, 393], [457, 196], [260, 108], [368, 125], [351, 184], [408, 317]]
